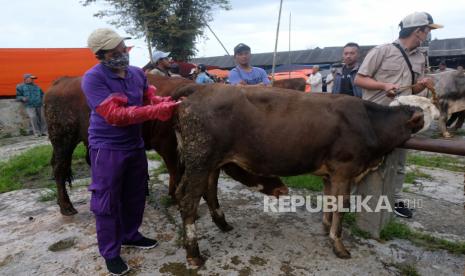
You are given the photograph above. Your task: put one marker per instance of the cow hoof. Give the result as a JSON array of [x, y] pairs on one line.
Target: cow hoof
[[68, 211], [195, 262], [340, 250], [447, 135], [226, 227], [280, 191]]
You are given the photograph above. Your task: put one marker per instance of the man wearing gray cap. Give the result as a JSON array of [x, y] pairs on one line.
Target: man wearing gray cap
[[32, 96], [116, 93], [162, 64], [397, 69]]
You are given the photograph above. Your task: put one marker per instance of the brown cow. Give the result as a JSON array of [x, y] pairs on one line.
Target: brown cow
[[275, 132], [67, 115], [295, 84]]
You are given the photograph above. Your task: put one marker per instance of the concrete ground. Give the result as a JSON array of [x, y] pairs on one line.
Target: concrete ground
[[36, 240]]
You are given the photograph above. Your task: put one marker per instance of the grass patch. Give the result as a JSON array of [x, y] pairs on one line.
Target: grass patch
[[437, 161], [305, 181], [399, 230], [160, 170], [415, 174], [407, 269], [459, 132], [48, 195], [167, 201], [151, 155], [32, 169], [349, 222]]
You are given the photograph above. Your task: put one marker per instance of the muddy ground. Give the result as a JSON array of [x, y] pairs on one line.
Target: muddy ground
[[36, 240]]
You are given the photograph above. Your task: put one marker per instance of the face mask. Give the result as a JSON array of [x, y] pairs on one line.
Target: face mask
[[121, 62]]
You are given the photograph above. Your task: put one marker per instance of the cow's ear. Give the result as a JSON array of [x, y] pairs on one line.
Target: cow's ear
[[416, 121]]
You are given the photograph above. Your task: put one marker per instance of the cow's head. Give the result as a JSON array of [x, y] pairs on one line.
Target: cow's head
[[429, 112]]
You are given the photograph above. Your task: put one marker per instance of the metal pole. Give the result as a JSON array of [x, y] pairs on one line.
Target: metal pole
[[208, 26], [149, 43], [456, 147], [289, 45], [276, 43]]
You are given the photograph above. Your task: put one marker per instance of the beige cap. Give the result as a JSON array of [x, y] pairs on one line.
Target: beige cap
[[104, 39], [418, 19]]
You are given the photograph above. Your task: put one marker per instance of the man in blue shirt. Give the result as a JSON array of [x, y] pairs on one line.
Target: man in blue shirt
[[32, 96], [244, 73], [203, 76]]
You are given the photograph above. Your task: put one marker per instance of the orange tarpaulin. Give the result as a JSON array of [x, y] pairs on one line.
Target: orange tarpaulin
[[45, 63], [294, 75], [219, 73]]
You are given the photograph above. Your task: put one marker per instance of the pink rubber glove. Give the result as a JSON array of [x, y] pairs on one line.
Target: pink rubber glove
[[115, 111]]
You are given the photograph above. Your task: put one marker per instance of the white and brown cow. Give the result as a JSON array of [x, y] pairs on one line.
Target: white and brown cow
[[450, 89]]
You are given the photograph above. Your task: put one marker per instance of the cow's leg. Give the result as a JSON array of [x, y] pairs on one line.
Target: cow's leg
[[61, 162], [460, 120], [442, 123], [340, 187], [190, 190], [327, 216], [211, 197]]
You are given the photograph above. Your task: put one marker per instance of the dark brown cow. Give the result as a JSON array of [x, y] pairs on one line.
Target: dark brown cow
[[295, 84], [67, 115], [275, 132]]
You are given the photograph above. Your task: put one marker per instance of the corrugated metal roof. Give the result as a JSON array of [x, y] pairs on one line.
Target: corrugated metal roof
[[328, 55], [447, 47]]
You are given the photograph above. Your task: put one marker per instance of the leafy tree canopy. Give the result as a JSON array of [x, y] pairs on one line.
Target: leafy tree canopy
[[170, 25]]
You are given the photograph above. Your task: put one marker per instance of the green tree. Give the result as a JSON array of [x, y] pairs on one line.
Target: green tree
[[169, 25]]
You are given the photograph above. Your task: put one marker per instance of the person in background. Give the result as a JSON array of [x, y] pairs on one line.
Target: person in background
[[315, 80], [116, 93], [442, 67], [174, 70], [330, 80], [397, 69], [162, 64], [32, 96], [244, 73], [345, 76], [203, 77]]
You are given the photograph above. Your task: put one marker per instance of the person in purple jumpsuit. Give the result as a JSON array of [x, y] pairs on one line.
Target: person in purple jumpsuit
[[115, 93]]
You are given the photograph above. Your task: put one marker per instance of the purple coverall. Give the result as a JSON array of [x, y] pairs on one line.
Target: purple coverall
[[118, 161]]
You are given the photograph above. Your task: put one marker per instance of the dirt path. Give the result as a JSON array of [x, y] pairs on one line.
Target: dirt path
[[36, 240]]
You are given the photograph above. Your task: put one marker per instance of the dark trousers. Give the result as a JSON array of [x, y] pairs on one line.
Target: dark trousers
[[119, 186]]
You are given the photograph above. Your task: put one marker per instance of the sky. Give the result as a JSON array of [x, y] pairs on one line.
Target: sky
[[66, 23]]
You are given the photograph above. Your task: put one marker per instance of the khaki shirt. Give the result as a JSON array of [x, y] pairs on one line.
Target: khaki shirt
[[159, 72], [385, 63]]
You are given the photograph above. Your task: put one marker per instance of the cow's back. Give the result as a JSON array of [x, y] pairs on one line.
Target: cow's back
[[295, 84], [66, 109], [300, 126]]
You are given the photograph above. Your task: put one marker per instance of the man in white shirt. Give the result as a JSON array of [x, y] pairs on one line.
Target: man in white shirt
[[330, 80], [315, 80]]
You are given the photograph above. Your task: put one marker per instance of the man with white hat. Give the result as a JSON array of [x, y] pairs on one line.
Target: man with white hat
[[162, 63], [397, 69], [115, 93]]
